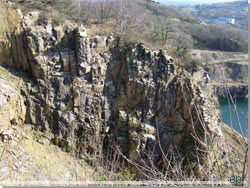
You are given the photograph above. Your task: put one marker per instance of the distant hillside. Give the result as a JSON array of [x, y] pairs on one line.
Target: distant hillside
[[144, 21], [237, 10]]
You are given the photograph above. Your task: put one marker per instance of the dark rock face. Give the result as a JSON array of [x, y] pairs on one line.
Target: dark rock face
[[86, 88], [236, 91]]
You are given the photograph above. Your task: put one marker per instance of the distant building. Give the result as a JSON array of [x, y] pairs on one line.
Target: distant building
[[224, 20]]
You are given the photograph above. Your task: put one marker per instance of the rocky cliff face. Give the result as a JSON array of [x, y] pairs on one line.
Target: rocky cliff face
[[235, 90], [229, 77], [86, 89], [227, 71]]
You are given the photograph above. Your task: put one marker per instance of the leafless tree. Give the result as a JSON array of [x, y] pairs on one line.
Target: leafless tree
[[84, 10], [104, 9], [161, 29]]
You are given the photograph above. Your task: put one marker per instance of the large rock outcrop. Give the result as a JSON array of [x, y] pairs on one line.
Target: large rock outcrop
[[86, 89]]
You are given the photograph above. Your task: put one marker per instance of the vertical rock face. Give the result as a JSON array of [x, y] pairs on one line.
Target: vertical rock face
[[229, 77], [12, 41], [229, 72], [235, 90], [7, 28], [86, 85], [85, 88], [153, 101]]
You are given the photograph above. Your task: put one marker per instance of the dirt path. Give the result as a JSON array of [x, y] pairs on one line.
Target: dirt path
[[238, 61], [226, 84], [214, 57]]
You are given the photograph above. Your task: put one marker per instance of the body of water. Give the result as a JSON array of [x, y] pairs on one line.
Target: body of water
[[232, 118]]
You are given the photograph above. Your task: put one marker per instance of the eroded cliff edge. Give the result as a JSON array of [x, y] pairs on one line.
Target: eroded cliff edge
[[94, 92], [227, 72]]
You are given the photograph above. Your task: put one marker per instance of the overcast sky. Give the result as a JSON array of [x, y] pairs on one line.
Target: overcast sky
[[179, 2]]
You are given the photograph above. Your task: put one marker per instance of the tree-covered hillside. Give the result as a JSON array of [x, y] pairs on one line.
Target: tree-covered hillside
[[146, 21]]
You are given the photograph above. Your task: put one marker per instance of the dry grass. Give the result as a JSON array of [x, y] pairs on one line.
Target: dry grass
[[34, 161]]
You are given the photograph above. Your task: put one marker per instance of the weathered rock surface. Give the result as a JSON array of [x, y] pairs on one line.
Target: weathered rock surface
[[233, 86], [9, 20], [86, 89], [228, 72], [235, 90], [229, 77], [85, 85], [12, 109]]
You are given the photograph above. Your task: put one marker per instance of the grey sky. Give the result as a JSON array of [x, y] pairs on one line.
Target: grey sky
[[178, 2]]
